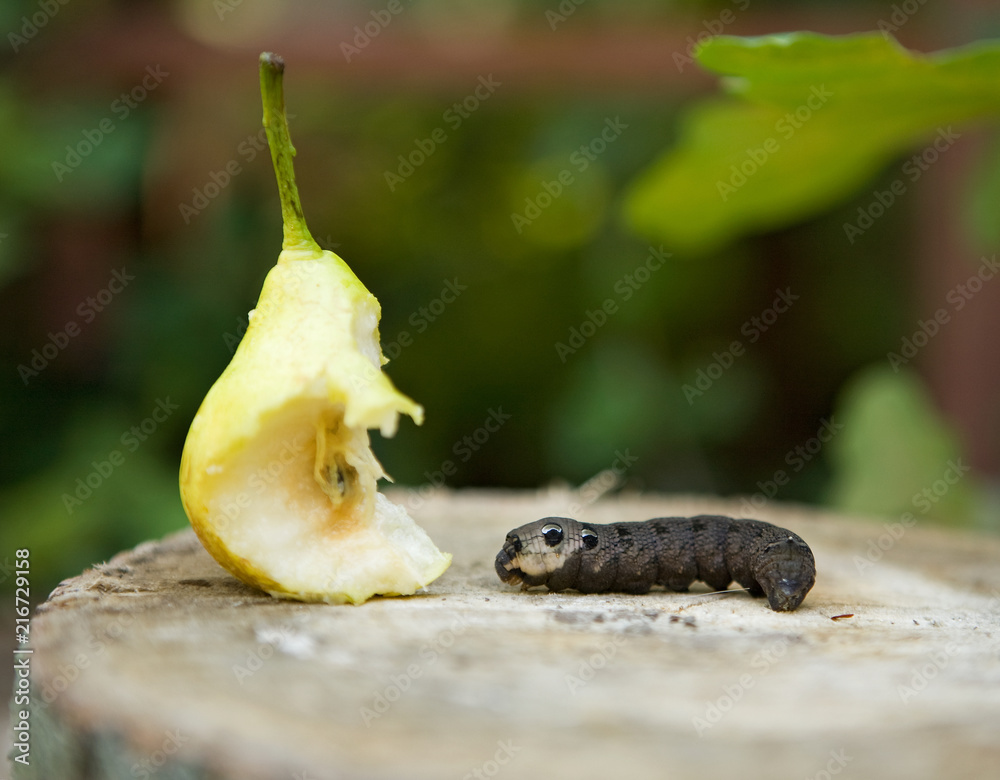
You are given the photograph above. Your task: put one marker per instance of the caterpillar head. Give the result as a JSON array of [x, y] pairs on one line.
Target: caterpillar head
[[532, 553], [788, 573]]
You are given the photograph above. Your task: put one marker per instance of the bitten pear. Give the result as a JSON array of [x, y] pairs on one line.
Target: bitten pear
[[277, 476]]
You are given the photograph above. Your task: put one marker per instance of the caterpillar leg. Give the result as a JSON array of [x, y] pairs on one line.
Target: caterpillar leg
[[717, 582]]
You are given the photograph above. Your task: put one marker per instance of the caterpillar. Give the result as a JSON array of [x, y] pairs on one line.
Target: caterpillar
[[561, 553]]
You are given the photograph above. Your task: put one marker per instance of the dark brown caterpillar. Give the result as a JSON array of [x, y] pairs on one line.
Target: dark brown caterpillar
[[561, 553]]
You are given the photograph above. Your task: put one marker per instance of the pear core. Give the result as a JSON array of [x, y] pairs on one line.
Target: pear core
[[277, 476]]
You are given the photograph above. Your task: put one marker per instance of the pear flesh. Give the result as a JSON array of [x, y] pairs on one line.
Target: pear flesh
[[277, 475]]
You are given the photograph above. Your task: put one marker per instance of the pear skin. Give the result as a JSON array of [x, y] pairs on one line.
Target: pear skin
[[277, 475]]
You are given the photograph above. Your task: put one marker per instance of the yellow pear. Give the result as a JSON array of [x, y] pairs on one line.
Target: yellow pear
[[277, 476]]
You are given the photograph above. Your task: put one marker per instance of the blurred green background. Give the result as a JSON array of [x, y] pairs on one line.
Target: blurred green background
[[129, 260]]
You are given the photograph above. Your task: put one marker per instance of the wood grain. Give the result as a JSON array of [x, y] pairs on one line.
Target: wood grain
[[159, 656]]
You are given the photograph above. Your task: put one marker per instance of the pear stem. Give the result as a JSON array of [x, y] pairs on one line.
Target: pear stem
[[272, 93]]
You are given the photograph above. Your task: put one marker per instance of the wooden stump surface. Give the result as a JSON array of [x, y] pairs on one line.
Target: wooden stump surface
[[158, 664]]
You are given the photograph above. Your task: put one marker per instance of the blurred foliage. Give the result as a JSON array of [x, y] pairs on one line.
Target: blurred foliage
[[170, 332], [982, 201], [811, 119], [895, 454], [82, 505]]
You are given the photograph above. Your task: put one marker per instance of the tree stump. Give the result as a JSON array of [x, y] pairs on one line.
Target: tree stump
[[160, 664]]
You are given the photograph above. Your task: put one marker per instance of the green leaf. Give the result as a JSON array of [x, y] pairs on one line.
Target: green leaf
[[982, 201], [810, 118], [896, 453]]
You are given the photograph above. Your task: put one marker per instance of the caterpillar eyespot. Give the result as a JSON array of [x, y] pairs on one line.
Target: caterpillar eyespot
[[553, 534], [561, 553]]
